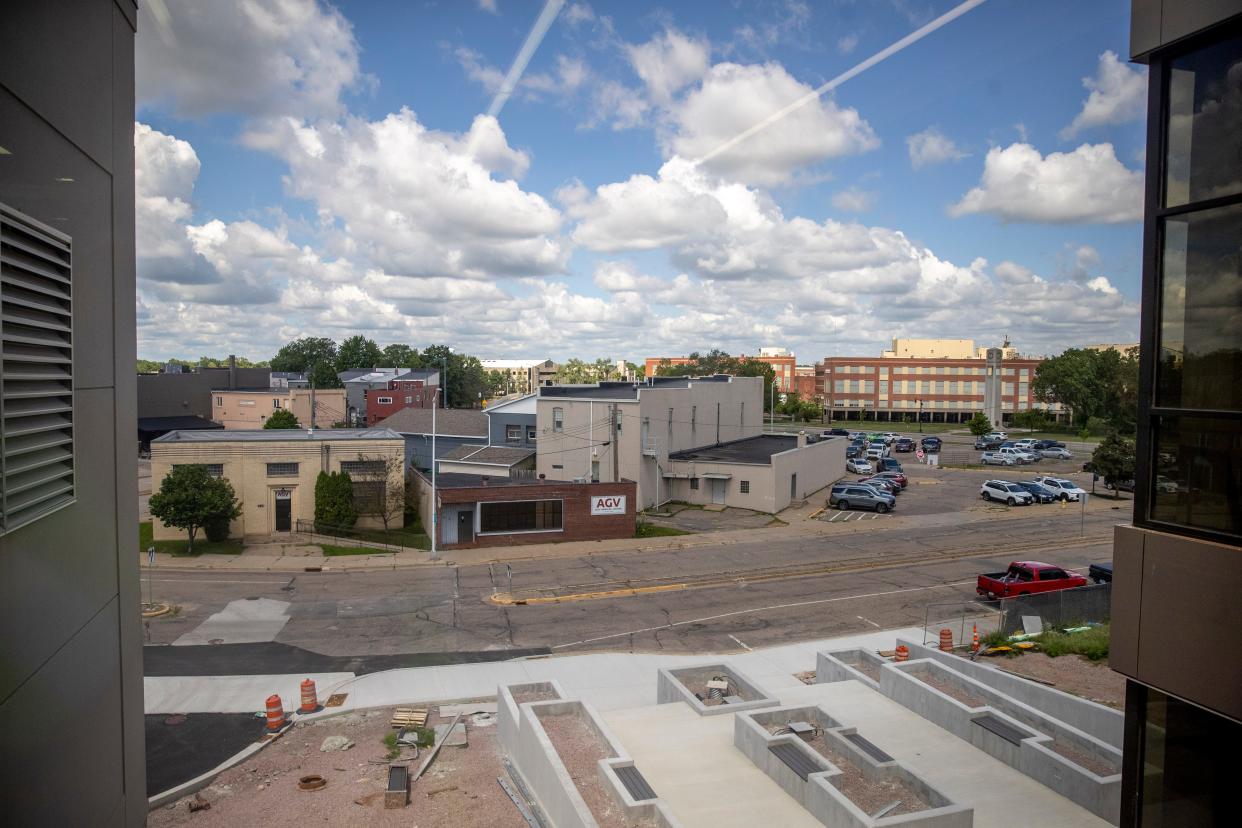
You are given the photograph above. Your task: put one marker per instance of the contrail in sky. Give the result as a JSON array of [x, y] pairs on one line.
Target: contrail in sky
[[814, 94], [550, 10]]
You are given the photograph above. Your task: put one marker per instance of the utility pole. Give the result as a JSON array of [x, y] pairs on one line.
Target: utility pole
[[717, 427], [616, 452], [312, 422], [435, 510]]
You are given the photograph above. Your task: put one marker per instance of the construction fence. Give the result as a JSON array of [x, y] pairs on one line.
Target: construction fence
[[1062, 608]]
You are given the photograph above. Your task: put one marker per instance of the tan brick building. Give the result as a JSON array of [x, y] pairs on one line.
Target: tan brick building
[[273, 472], [249, 408]]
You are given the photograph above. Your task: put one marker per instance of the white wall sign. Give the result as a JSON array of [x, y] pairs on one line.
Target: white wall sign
[[608, 505]]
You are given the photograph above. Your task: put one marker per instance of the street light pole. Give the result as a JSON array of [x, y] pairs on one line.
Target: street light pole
[[920, 416], [435, 509], [444, 381]]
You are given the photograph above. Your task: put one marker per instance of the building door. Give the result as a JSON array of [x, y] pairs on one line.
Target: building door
[[284, 510], [465, 526], [718, 490], [793, 486]]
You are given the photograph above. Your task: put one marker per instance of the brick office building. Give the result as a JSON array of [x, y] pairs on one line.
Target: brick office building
[[414, 389], [478, 510]]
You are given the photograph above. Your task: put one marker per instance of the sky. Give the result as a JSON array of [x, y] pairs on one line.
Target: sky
[[644, 179]]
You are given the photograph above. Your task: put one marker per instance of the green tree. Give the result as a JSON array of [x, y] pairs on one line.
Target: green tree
[[1032, 419], [316, 356], [282, 418], [334, 502], [189, 498], [574, 372], [358, 353], [1092, 384], [400, 356], [1113, 459], [979, 424], [717, 361]]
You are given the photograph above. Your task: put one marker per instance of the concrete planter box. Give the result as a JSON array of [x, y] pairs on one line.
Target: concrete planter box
[[507, 718], [536, 760], [819, 792], [843, 665], [675, 686], [1030, 748]]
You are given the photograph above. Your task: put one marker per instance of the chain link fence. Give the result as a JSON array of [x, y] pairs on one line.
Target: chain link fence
[[1062, 608]]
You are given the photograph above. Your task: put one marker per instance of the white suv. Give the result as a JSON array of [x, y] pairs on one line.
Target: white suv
[[1006, 492], [1062, 488]]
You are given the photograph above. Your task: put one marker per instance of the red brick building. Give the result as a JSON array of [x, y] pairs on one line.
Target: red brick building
[[476, 510], [804, 382], [405, 391]]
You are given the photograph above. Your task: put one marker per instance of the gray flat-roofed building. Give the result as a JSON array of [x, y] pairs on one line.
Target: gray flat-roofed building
[[454, 427], [71, 687], [513, 423]]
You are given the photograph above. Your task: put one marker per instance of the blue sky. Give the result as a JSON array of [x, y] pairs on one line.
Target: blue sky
[[315, 169]]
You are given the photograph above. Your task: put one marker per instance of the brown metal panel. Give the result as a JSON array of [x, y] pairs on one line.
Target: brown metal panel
[[1180, 18], [1190, 614], [1144, 27], [1127, 597]]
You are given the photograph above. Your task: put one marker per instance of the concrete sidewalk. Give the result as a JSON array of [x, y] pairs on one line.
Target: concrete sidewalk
[[607, 680]]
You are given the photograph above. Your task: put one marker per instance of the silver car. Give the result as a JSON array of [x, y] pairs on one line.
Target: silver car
[[852, 495], [1057, 453]]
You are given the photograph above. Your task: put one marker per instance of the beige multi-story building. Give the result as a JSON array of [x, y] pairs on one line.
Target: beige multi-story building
[[522, 376], [931, 349], [249, 408], [273, 473]]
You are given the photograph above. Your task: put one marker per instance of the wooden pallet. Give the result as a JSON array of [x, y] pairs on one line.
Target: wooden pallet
[[409, 717]]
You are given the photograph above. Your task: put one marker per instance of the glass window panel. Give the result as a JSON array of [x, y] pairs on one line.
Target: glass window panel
[[1198, 473], [1205, 124], [1201, 311]]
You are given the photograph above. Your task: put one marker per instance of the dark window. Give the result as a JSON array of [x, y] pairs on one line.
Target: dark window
[[513, 434], [744, 487], [213, 469], [384, 400], [363, 468], [520, 516], [369, 496], [530, 434], [1197, 473], [1205, 124], [1052, 575], [694, 483], [558, 419], [282, 469]]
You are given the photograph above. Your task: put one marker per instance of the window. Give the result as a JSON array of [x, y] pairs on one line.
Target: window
[[409, 398], [275, 402], [558, 419], [369, 496], [219, 402], [513, 434], [383, 400], [247, 403], [36, 387], [213, 469], [744, 486], [530, 434], [520, 516], [363, 468], [838, 386], [282, 469], [694, 484]]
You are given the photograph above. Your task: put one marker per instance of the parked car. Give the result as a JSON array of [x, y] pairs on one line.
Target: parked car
[[849, 495], [1027, 445], [1025, 578], [1006, 492], [1065, 489], [901, 479], [931, 444], [995, 458], [852, 451], [1039, 491], [858, 435], [875, 454], [903, 444], [984, 444], [1056, 453], [883, 484], [1048, 444], [1019, 455], [879, 446], [1101, 573], [837, 432], [996, 435], [890, 437], [1122, 485], [858, 465], [889, 464]]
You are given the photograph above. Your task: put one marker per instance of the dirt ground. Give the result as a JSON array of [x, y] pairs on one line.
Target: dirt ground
[[459, 790], [580, 751], [1071, 673], [947, 687]]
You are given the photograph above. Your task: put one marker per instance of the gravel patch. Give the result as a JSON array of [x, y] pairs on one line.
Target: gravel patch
[[459, 790], [947, 687], [524, 696], [1073, 674], [870, 795], [580, 749], [1096, 764], [806, 676]]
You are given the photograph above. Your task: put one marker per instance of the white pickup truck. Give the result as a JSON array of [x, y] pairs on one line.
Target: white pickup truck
[[1018, 455], [996, 458]]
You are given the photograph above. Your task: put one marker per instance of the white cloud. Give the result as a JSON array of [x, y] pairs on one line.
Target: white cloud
[[931, 146], [1118, 94], [668, 62], [577, 13], [487, 6], [1086, 185], [165, 169], [733, 98], [854, 200], [847, 43], [569, 76], [617, 105], [261, 58]]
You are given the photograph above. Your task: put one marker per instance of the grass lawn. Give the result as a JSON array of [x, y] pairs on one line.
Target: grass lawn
[[650, 530], [409, 536], [1091, 644], [177, 548]]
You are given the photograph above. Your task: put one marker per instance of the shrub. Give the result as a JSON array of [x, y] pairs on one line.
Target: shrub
[[334, 502], [216, 528]]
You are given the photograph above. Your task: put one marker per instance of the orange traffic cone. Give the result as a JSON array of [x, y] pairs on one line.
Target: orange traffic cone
[[974, 638], [946, 640], [310, 700], [903, 652], [275, 714]]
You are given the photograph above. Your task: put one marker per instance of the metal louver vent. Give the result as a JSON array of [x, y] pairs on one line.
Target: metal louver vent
[[36, 380]]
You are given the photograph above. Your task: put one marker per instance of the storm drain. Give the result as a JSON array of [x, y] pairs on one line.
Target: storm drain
[[1006, 731], [635, 783], [869, 748], [795, 760]]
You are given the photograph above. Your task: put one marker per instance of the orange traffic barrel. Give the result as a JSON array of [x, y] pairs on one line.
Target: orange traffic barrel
[[275, 713], [903, 652], [946, 640], [310, 700], [974, 638]]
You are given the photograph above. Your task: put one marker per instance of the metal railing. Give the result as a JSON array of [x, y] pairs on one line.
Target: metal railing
[[386, 540]]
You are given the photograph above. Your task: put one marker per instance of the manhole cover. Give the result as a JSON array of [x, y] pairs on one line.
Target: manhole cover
[[312, 783], [176, 719], [216, 641]]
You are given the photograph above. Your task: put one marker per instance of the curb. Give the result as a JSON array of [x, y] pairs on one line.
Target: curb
[[203, 780]]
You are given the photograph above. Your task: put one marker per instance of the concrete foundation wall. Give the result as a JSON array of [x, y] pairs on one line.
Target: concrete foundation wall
[[1096, 720], [840, 666], [669, 689]]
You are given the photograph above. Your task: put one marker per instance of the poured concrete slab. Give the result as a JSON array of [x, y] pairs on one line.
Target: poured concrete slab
[[244, 621], [231, 694]]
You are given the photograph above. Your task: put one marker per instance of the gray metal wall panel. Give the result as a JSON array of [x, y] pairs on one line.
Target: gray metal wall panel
[[418, 447], [1144, 26], [1155, 24], [500, 420]]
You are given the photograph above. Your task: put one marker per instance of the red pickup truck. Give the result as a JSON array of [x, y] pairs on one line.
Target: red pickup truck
[[1026, 577]]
